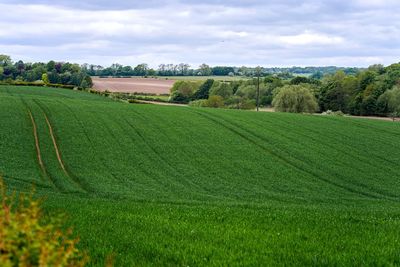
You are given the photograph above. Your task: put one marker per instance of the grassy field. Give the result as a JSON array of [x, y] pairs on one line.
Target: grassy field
[[156, 185]]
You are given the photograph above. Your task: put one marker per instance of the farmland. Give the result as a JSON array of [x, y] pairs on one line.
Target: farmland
[[153, 85], [156, 185], [132, 85]]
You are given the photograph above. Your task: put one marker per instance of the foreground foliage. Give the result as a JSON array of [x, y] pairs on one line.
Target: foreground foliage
[[29, 239]]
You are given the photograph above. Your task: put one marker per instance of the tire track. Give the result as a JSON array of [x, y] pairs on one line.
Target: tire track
[[72, 178], [44, 173], [161, 184], [59, 159], [364, 159], [281, 158], [97, 155], [171, 169], [332, 147], [36, 137]]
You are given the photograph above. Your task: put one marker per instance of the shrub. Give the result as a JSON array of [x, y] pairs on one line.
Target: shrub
[[215, 101], [199, 103], [237, 102], [28, 239], [333, 113]]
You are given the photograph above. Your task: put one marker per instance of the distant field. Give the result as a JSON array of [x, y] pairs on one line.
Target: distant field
[[171, 186], [201, 78], [153, 85], [133, 85]]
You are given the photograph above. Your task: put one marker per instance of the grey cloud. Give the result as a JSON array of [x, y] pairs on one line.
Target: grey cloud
[[285, 32]]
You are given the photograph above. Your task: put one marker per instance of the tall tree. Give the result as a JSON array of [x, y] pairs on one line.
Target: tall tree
[[205, 70]]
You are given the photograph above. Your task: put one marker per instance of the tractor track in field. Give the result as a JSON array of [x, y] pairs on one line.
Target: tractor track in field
[[372, 190], [281, 158], [102, 159], [37, 146], [71, 177], [334, 137], [223, 182], [332, 147], [161, 184], [45, 175], [165, 161], [169, 166], [60, 161]]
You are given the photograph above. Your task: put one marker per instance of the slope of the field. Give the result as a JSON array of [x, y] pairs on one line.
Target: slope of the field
[[179, 185]]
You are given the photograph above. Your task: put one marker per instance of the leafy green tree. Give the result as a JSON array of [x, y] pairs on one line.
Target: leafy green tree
[[299, 80], [204, 70], [5, 60], [295, 99], [222, 89], [222, 70], [336, 91], [53, 76], [141, 69], [182, 91], [51, 65], [204, 90], [45, 78], [391, 100]]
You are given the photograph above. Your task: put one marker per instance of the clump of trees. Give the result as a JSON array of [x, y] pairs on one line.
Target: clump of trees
[[52, 72], [360, 94], [373, 91]]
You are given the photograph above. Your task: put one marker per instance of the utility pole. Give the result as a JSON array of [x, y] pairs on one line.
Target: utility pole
[[258, 71]]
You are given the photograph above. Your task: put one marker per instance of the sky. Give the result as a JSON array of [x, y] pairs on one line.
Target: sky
[[222, 32]]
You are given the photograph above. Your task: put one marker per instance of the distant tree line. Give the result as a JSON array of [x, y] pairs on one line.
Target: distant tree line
[[52, 72], [183, 69], [372, 91]]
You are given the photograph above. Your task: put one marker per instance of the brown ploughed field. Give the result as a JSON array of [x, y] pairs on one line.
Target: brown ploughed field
[[133, 85]]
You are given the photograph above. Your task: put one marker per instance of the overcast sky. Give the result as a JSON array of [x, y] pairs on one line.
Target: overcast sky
[[221, 32]]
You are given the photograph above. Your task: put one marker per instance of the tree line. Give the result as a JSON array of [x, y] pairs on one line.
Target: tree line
[[184, 69], [372, 91], [52, 72]]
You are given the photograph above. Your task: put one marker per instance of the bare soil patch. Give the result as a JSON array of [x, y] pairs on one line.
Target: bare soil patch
[[133, 85]]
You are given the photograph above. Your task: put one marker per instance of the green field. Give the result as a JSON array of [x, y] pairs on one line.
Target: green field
[[156, 185]]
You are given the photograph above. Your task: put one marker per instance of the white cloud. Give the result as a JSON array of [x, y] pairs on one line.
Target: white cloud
[[230, 32], [309, 38]]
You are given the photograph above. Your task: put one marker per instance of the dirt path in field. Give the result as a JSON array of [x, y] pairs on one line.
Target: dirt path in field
[[38, 153], [59, 158], [55, 146], [160, 103], [373, 118]]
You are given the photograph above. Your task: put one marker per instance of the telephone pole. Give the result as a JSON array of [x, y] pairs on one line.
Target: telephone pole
[[258, 71]]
